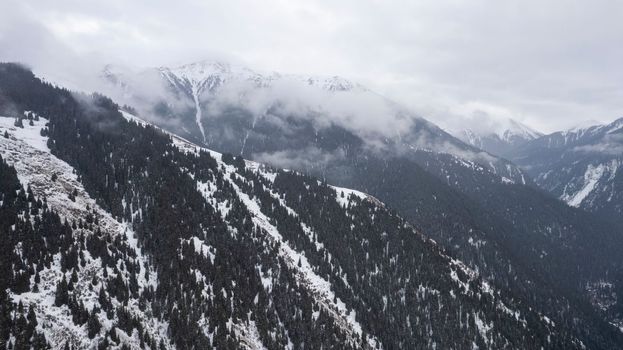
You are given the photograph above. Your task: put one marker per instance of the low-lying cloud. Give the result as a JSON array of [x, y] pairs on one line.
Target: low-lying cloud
[[361, 111], [310, 159], [611, 144]]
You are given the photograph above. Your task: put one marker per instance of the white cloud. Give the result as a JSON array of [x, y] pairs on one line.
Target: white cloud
[[548, 64]]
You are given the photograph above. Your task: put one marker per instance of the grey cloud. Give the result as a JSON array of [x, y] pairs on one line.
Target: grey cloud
[[611, 144]]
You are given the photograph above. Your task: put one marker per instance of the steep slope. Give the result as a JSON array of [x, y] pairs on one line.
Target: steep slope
[[501, 138], [188, 248], [580, 166], [91, 241]]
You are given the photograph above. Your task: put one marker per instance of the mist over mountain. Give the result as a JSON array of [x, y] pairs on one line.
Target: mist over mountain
[[206, 102]]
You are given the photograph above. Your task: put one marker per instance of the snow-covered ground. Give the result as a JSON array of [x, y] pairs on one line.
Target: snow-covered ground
[[592, 177]]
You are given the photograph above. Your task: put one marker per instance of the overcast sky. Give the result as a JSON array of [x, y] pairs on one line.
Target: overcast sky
[[550, 64]]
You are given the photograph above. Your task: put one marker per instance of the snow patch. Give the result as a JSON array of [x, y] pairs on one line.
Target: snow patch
[[591, 177]]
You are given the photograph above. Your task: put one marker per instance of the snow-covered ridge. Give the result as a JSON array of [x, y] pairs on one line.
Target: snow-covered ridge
[[584, 134], [581, 166], [209, 75], [210, 90], [594, 126], [517, 129]]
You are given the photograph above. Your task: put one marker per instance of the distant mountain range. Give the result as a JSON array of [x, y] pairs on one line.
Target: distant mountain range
[[581, 166]]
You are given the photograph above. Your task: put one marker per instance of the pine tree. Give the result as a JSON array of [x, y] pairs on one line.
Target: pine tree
[[19, 123], [62, 294], [93, 324]]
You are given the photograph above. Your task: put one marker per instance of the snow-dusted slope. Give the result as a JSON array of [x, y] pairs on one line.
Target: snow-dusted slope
[[27, 151], [592, 177], [465, 280], [317, 285]]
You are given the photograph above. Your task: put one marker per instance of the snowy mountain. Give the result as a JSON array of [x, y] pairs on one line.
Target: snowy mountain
[[116, 234], [194, 248], [504, 137], [483, 209], [581, 166]]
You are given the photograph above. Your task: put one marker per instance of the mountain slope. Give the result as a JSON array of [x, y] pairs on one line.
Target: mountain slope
[[579, 166], [85, 222], [189, 248]]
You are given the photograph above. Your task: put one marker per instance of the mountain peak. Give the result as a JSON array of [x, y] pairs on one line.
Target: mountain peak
[[518, 129], [615, 125], [201, 71], [498, 136]]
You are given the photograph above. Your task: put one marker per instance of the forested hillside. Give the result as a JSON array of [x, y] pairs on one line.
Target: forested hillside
[[118, 234]]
